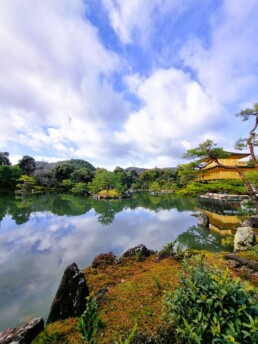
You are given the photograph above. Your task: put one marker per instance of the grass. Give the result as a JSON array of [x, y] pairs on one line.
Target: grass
[[133, 296]]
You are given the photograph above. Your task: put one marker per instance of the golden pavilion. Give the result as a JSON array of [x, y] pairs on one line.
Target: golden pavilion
[[212, 171]]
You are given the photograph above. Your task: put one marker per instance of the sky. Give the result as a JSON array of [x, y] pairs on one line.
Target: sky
[[124, 83]]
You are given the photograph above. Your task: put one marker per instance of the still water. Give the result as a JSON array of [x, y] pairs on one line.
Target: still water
[[42, 234]]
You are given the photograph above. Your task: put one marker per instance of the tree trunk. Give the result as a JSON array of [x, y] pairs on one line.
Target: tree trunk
[[251, 145]]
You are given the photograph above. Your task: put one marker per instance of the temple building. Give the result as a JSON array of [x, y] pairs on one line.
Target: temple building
[[214, 172]]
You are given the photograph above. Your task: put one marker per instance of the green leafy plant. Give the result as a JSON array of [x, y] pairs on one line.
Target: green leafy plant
[[90, 323], [130, 338], [157, 283], [139, 256], [208, 306], [227, 241], [168, 249], [179, 254], [254, 249]]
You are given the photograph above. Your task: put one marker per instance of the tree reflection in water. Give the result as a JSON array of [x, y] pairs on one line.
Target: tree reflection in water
[[20, 208], [198, 238]]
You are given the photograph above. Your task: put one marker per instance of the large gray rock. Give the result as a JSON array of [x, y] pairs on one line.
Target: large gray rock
[[244, 239], [139, 249], [70, 296], [24, 334]]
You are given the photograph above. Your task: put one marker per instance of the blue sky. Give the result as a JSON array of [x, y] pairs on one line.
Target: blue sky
[[128, 83]]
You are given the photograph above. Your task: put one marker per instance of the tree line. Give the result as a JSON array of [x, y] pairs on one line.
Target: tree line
[[80, 177]]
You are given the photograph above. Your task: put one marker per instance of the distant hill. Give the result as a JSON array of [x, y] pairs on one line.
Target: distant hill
[[137, 169], [77, 163]]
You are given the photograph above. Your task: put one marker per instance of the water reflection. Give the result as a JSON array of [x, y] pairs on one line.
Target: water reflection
[[41, 234], [20, 209], [198, 238], [223, 216]]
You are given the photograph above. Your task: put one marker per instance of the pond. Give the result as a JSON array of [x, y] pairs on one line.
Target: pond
[[42, 234]]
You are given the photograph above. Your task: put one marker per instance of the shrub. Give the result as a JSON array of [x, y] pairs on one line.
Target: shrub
[[79, 188], [209, 307], [169, 249], [90, 322]]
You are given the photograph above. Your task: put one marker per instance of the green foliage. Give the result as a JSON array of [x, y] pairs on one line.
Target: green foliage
[[130, 338], [4, 159], [227, 241], [139, 256], [27, 165], [172, 249], [83, 174], [208, 306], [63, 171], [25, 183], [9, 176], [67, 184], [79, 188], [169, 249], [90, 323], [50, 338], [156, 175], [206, 150], [254, 249], [104, 179], [155, 187], [232, 186], [186, 173], [157, 283], [252, 177], [248, 112]]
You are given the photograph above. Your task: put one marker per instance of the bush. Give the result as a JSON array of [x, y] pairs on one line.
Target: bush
[[209, 307], [90, 322], [169, 250]]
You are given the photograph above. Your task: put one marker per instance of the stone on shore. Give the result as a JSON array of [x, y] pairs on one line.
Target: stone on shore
[[244, 239], [252, 222], [70, 296], [202, 219], [139, 249], [24, 334]]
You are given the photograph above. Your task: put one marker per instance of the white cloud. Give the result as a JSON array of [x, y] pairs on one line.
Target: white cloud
[[58, 97], [176, 112], [134, 20], [227, 66], [55, 92]]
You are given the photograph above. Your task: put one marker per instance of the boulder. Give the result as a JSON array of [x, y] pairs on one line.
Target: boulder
[[24, 334], [252, 221], [244, 239], [70, 296], [202, 219], [139, 249]]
